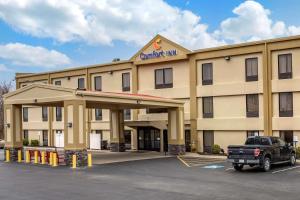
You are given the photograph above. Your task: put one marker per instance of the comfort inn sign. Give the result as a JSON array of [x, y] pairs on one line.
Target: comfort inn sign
[[159, 49]]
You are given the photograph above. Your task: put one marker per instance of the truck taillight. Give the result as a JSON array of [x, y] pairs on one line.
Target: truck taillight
[[256, 152]]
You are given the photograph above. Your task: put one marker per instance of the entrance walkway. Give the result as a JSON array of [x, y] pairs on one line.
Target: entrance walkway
[[106, 157]]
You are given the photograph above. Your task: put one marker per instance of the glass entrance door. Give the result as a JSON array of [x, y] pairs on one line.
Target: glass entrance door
[[148, 139]]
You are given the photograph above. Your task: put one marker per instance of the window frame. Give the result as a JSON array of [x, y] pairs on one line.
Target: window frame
[[164, 84], [289, 113], [251, 78], [25, 114], [58, 81], [100, 116], [208, 115], [125, 89], [78, 81], [57, 117], [287, 75], [207, 81], [95, 85], [252, 113], [44, 115]]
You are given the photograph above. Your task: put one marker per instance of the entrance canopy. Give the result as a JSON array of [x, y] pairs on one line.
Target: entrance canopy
[[75, 102], [44, 94]]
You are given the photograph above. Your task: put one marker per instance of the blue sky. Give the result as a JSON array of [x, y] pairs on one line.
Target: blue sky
[[37, 36]]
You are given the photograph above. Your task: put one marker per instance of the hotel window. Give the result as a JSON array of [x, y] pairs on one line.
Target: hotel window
[[252, 133], [207, 74], [98, 114], [58, 114], [287, 136], [127, 114], [285, 104], [207, 105], [156, 110], [81, 84], [25, 114], [285, 66], [44, 113], [126, 82], [163, 78], [252, 105], [25, 134], [98, 83], [57, 83], [251, 69]]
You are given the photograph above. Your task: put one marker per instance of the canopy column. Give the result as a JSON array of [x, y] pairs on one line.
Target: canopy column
[[75, 131], [13, 130], [117, 139], [176, 131]]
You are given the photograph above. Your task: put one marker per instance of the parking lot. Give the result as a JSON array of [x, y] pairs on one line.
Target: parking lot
[[163, 178]]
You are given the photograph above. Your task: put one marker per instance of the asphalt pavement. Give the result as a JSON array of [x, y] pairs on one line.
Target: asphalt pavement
[[164, 178]]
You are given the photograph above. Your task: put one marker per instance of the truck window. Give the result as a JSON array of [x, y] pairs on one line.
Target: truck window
[[257, 141]]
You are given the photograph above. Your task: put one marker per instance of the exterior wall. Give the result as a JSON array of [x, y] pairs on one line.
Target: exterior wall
[[180, 89], [69, 82]]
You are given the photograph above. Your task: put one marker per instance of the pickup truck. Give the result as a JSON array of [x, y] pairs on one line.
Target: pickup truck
[[261, 151]]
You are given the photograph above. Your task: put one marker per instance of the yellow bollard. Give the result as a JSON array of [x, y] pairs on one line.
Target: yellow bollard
[[89, 160], [27, 157], [7, 156], [35, 157], [43, 157], [74, 162], [19, 156], [54, 160], [51, 158]]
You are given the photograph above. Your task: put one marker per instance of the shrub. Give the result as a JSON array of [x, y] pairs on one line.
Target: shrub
[[25, 142], [298, 152], [216, 149], [35, 143]]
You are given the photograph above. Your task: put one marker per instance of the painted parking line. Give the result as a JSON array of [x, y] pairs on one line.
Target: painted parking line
[[185, 163], [283, 170], [231, 168], [198, 161]]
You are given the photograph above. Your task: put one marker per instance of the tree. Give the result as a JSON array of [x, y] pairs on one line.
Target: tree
[[5, 87]]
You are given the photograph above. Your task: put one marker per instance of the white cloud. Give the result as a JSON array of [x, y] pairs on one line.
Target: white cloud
[[33, 56], [134, 21], [252, 22], [106, 21]]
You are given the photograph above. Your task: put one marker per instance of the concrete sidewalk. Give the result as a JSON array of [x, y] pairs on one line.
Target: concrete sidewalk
[[188, 154], [106, 157]]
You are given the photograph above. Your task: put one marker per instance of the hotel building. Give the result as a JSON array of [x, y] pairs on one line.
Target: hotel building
[[229, 93]]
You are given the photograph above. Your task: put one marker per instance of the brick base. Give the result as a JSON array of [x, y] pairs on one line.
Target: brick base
[[13, 153], [81, 156], [175, 149], [117, 147]]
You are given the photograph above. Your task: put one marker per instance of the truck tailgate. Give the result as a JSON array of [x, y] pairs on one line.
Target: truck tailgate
[[241, 152]]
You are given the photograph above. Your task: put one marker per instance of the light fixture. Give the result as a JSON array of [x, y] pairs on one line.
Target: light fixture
[[7, 125], [110, 72], [227, 58], [70, 125]]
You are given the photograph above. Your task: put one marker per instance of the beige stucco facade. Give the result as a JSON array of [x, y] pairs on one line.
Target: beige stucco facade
[[229, 124]]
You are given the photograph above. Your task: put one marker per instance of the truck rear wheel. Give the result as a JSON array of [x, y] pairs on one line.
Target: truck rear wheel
[[266, 165], [293, 159], [238, 167]]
